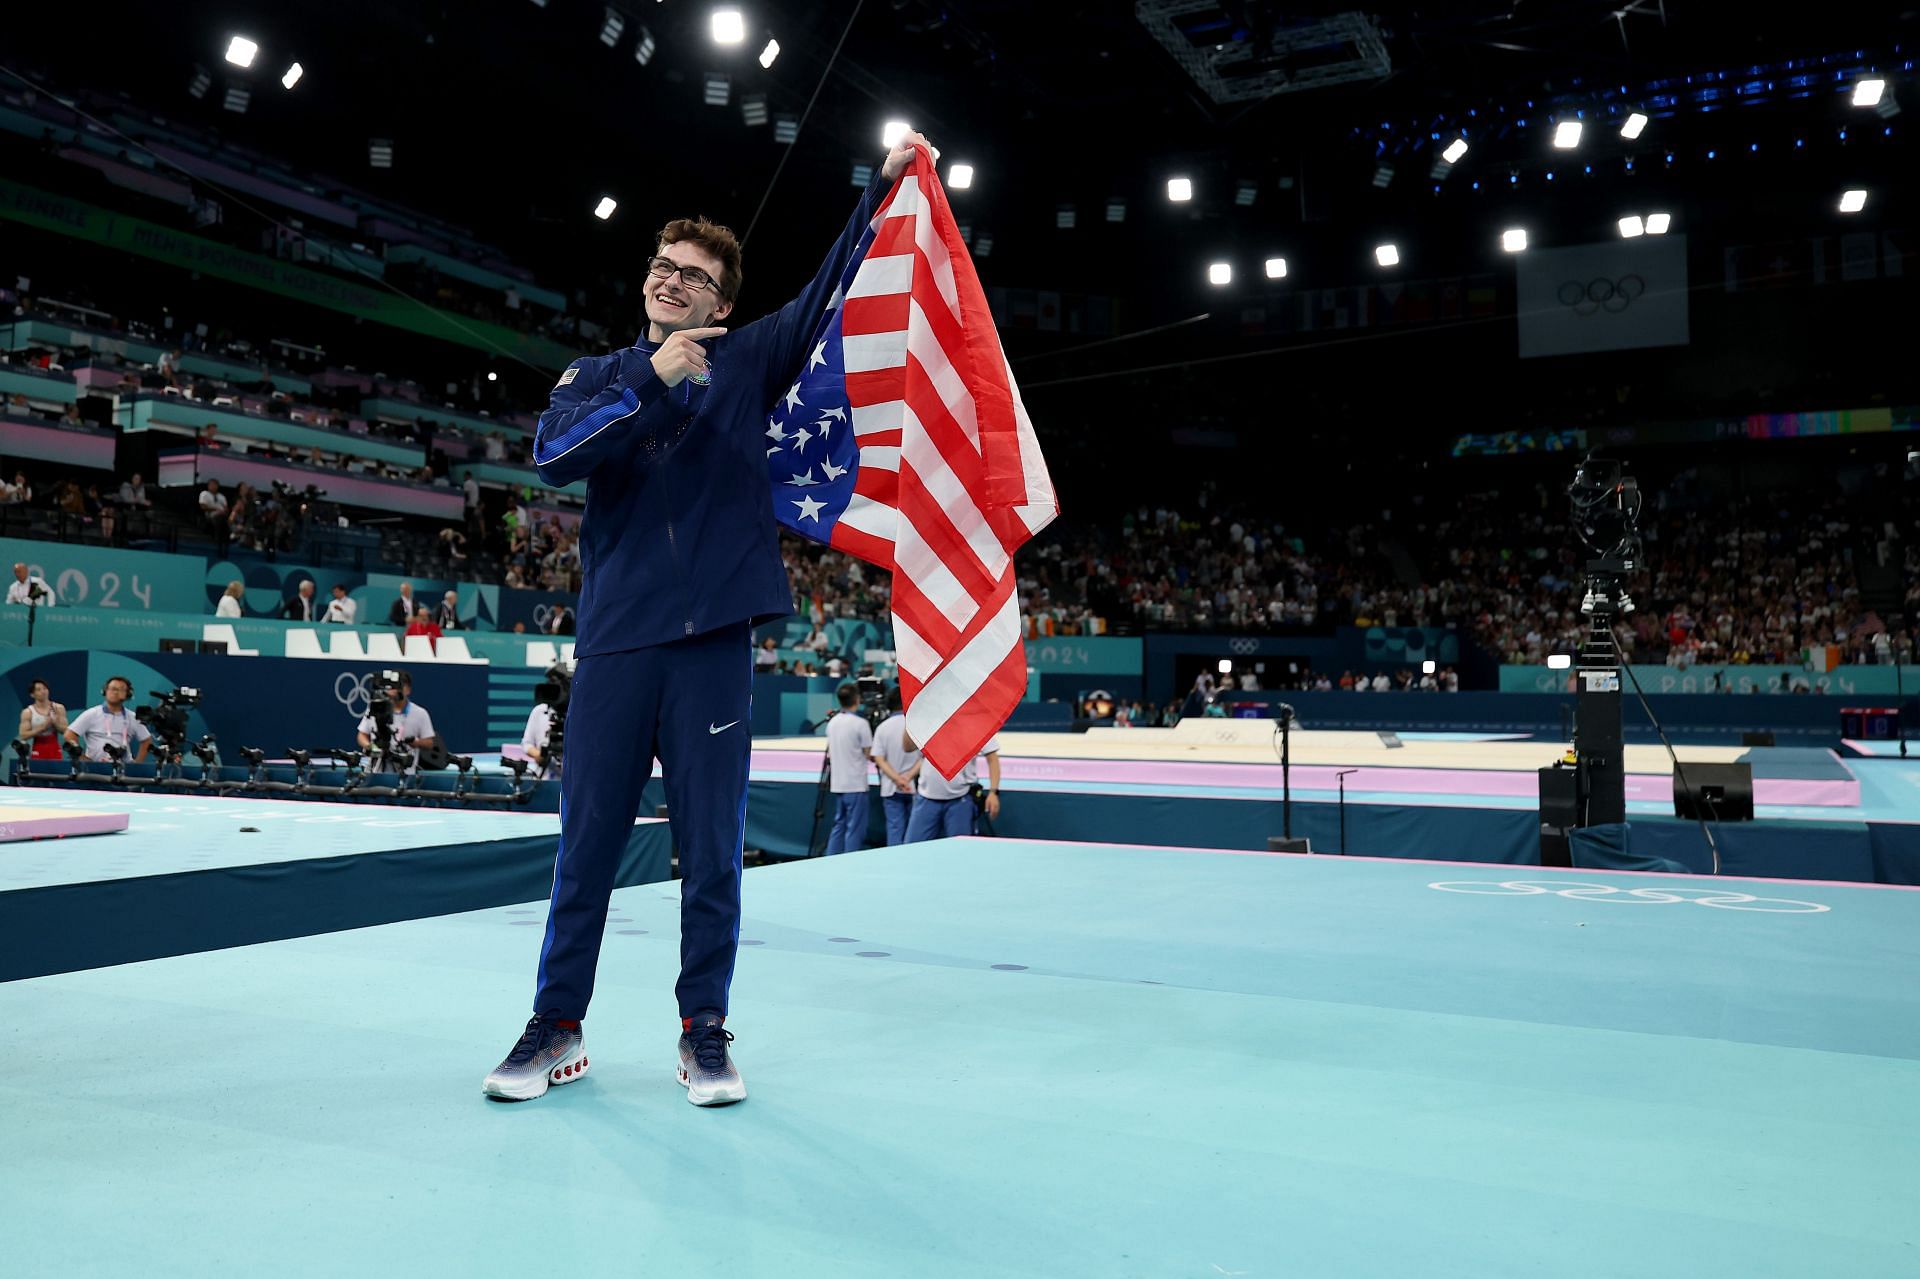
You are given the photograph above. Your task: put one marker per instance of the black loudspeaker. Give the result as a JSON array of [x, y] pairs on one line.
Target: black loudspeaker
[[216, 647], [1559, 813], [1717, 792], [1279, 844], [1762, 738], [176, 646]]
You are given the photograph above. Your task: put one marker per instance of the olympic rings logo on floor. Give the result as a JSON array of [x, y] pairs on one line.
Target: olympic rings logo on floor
[[1717, 898]]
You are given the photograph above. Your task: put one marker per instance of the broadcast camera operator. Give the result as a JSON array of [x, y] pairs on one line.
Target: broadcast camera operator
[[393, 721], [543, 742], [110, 724]]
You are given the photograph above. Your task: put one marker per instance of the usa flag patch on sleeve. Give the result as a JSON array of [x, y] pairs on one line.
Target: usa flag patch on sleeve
[[568, 376]]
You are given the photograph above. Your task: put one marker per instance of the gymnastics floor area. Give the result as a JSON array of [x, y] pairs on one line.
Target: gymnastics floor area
[[1454, 796], [1007, 1057]]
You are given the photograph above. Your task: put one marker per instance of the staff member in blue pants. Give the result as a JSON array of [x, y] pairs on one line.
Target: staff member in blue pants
[[942, 807], [898, 767], [849, 752], [681, 560]]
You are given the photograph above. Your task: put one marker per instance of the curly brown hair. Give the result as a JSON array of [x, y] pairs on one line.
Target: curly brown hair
[[717, 240]]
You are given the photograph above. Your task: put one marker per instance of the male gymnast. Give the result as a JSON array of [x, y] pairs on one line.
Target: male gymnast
[[681, 561]]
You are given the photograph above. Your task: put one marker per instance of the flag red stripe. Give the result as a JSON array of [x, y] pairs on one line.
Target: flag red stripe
[[873, 386], [881, 313], [937, 530], [874, 550], [878, 484]]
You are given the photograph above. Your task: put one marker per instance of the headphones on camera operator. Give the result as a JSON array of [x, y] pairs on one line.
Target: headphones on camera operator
[[392, 690]]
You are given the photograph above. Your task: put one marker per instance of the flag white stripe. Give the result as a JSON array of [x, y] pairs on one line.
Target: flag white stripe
[[879, 457], [914, 655], [866, 352], [882, 277], [941, 374], [875, 519], [877, 417], [925, 569]]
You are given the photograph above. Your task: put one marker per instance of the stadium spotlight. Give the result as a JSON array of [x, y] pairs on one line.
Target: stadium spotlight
[[1853, 201], [611, 26], [1179, 189], [1566, 135], [1383, 176], [1514, 239], [605, 208], [200, 83], [753, 109], [984, 245], [768, 54], [237, 99], [892, 132], [1559, 661], [292, 77], [862, 174], [786, 128], [1657, 223], [1866, 93], [959, 177], [1635, 125], [1116, 209], [1219, 273], [492, 376], [380, 153], [1631, 225], [1064, 217], [1455, 149], [1276, 268], [1387, 254], [240, 51], [719, 89], [1245, 193], [728, 26], [643, 48]]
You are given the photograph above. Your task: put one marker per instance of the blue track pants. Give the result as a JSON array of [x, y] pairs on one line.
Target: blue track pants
[[690, 704], [939, 818], [849, 833]]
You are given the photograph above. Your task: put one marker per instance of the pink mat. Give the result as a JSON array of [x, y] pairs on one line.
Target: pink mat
[[43, 823], [1654, 787]]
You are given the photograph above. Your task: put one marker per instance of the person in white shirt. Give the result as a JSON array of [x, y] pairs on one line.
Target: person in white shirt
[[943, 806], [448, 617], [213, 503], [836, 667], [110, 724], [229, 605], [1382, 684], [412, 726], [29, 588], [898, 767], [849, 751], [340, 609], [533, 741]]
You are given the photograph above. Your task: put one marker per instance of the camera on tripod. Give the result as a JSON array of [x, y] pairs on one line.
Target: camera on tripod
[[873, 697], [554, 692], [166, 719]]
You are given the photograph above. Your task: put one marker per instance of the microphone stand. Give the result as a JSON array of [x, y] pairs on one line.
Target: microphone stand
[[1341, 777], [33, 611], [1286, 771]]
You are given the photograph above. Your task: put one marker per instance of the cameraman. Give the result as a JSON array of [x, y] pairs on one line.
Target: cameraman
[[849, 750], [110, 724], [407, 723], [548, 720]]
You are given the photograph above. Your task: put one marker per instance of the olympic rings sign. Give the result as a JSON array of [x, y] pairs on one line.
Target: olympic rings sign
[[1245, 646], [1717, 898], [350, 691], [1601, 294]]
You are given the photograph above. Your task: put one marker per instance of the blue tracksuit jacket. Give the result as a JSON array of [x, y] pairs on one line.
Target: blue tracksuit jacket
[[679, 536]]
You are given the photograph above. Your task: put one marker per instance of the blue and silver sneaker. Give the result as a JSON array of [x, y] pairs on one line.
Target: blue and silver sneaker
[[705, 1067], [547, 1054]]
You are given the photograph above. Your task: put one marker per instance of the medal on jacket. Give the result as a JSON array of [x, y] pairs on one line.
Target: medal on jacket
[[703, 378]]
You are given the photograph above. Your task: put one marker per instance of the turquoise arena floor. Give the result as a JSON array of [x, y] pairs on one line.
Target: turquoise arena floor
[[995, 1057]]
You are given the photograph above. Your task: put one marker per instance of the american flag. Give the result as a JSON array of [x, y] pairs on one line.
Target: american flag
[[903, 442]]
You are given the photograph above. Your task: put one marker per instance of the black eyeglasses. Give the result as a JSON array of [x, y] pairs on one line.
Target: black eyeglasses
[[691, 276]]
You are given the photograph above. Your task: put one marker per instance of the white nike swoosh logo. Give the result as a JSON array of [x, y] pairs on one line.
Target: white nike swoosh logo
[[723, 728]]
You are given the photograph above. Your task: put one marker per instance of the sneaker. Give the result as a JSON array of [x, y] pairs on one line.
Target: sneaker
[[547, 1054], [705, 1067]]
